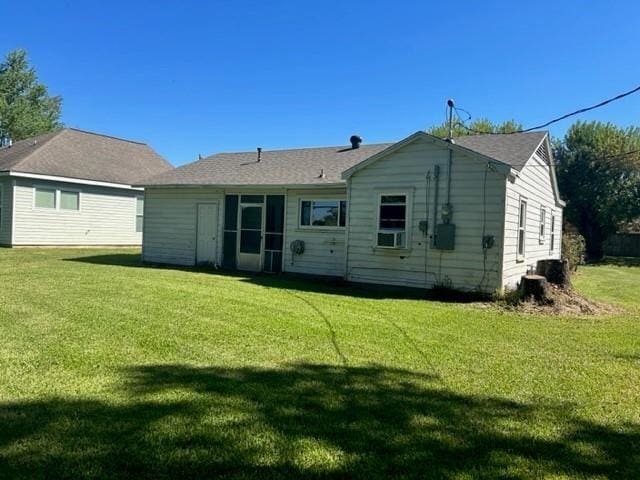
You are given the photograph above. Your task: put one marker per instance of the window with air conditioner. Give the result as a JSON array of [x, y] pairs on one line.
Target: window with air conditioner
[[392, 221]]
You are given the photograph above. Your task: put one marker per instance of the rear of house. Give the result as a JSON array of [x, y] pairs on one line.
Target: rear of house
[[421, 212], [72, 187]]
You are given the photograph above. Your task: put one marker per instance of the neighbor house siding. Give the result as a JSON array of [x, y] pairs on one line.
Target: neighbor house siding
[[324, 248], [476, 204], [107, 216], [170, 223], [534, 184], [6, 212]]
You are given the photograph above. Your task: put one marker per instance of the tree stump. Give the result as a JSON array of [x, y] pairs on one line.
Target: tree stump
[[557, 272], [535, 286]]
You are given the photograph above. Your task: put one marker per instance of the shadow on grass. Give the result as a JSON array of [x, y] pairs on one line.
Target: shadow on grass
[[305, 283], [316, 421]]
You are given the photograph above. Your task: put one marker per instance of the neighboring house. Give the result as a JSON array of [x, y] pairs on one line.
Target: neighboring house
[[472, 214], [72, 187]]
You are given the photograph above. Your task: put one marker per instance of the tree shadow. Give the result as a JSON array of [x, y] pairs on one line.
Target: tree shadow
[[304, 420], [299, 282], [618, 261]]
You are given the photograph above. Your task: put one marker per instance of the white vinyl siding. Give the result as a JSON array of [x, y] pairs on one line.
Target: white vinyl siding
[[534, 183], [93, 216], [419, 264], [6, 213]]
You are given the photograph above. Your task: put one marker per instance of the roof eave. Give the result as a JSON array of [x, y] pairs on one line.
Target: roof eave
[[227, 186]]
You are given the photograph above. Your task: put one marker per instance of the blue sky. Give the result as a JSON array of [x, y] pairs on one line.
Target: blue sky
[[203, 77]]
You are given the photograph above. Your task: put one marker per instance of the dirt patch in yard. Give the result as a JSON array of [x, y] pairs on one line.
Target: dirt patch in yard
[[561, 301]]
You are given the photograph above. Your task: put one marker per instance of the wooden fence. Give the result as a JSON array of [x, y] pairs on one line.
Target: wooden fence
[[623, 245]]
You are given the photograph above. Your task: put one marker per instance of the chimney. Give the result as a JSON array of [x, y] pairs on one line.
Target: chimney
[[355, 140], [259, 154]]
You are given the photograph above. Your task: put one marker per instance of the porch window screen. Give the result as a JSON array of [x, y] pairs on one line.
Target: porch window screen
[[274, 233], [392, 221], [230, 231], [522, 224]]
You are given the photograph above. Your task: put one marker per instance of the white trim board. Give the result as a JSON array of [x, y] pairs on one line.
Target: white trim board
[[54, 178]]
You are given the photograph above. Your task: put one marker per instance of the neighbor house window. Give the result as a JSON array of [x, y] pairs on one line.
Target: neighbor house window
[[522, 223], [323, 213], [552, 242], [45, 197], [139, 213], [1, 192], [392, 221], [69, 200], [543, 219]]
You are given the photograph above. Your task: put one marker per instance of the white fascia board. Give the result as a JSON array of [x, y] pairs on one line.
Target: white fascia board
[[54, 178]]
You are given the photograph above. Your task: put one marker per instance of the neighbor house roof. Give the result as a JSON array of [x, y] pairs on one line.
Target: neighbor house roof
[[83, 155], [325, 165]]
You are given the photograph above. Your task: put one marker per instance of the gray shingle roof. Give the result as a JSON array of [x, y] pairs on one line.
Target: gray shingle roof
[[304, 166], [84, 155]]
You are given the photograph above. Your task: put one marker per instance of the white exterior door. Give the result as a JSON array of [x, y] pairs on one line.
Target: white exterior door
[[207, 234]]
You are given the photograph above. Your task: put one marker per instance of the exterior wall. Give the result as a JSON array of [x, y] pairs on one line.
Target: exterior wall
[[170, 223], [421, 265], [107, 216], [534, 184], [324, 249], [6, 203]]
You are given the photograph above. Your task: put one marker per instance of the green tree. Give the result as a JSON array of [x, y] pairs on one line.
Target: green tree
[[482, 125], [26, 109], [598, 167]]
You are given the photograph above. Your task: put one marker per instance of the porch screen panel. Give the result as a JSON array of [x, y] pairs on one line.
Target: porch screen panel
[[274, 233], [230, 231]]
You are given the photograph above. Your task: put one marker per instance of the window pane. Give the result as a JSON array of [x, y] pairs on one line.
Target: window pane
[[231, 212], [523, 211], [250, 241], [343, 213], [139, 206], [275, 213], [273, 241], [45, 198], [324, 214], [139, 220], [305, 213], [252, 218], [521, 242], [393, 199], [392, 216], [252, 198], [69, 200], [386, 239]]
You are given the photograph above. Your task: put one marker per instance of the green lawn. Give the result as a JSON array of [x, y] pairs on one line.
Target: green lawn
[[112, 369]]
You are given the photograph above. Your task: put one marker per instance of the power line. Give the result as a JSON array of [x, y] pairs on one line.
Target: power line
[[555, 120]]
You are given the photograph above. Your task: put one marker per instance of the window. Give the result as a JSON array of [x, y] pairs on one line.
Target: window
[[69, 200], [392, 221], [552, 243], [522, 223], [543, 220], [323, 213], [45, 198], [1, 192], [139, 213]]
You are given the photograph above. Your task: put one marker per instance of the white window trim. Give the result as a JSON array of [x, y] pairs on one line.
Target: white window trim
[[542, 226], [407, 224], [59, 202], [136, 215], [521, 256], [552, 232], [318, 227]]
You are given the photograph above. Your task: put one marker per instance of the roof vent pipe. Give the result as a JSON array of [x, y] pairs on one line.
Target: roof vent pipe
[[259, 154], [451, 106], [355, 140]]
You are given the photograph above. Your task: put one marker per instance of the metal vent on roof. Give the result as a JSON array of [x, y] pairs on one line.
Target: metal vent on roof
[[543, 153]]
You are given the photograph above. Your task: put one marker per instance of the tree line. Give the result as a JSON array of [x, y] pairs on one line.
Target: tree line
[[597, 164]]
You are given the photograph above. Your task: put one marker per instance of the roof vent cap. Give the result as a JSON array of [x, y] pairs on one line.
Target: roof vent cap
[[355, 140]]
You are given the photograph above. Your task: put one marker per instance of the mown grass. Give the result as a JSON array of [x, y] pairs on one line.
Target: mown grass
[[111, 369]]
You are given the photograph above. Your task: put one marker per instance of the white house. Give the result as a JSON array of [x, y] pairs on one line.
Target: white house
[[72, 187], [473, 214]]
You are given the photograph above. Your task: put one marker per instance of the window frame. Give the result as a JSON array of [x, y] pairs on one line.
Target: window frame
[[552, 232], [137, 215], [59, 200], [522, 229], [339, 201], [542, 225], [407, 221]]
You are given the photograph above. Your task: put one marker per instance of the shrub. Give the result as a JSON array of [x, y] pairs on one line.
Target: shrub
[[573, 249]]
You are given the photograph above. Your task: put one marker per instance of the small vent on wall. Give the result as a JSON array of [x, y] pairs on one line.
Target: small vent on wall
[[543, 153]]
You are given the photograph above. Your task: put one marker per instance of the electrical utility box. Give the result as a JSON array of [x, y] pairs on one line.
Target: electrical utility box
[[445, 238]]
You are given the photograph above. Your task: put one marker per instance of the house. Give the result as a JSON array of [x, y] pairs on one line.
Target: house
[[72, 187], [474, 213]]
